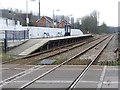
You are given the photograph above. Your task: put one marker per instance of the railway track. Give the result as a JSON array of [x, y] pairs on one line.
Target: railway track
[[69, 53], [78, 78], [109, 57], [75, 56], [80, 75], [47, 54]]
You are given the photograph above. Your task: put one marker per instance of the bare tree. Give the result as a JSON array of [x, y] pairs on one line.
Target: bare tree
[[89, 23], [103, 28]]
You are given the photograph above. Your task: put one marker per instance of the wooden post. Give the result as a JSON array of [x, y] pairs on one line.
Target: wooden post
[[117, 53]]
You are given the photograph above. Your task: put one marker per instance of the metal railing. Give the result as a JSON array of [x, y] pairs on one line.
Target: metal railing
[[11, 36]]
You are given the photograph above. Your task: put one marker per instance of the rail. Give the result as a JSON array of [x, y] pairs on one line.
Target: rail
[[54, 68], [74, 83]]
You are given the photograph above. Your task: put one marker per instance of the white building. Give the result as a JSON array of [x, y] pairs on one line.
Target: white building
[[34, 32], [7, 24], [39, 32]]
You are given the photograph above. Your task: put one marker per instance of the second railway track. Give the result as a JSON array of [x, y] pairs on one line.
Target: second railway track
[[78, 78]]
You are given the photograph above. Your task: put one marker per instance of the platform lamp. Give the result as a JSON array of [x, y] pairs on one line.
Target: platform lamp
[[27, 18], [54, 16], [68, 18], [39, 9]]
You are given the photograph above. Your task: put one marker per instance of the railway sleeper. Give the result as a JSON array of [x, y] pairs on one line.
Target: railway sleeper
[[108, 63]]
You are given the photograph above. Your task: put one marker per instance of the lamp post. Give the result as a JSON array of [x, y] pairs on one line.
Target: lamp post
[[39, 9], [68, 18], [54, 16], [27, 18], [98, 18]]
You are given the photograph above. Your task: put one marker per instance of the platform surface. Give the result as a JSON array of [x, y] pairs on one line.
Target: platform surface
[[33, 44]]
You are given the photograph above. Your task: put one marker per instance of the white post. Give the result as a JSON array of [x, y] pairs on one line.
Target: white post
[[53, 18], [39, 13], [14, 21], [27, 19]]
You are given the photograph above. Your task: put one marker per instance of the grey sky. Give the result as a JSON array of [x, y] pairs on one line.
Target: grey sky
[[108, 9]]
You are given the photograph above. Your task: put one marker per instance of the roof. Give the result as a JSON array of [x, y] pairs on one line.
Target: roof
[[65, 21], [47, 18]]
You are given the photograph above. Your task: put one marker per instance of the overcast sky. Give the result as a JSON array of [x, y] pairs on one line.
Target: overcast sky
[[108, 9]]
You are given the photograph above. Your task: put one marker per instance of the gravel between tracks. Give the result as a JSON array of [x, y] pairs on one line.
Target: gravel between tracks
[[109, 54], [64, 56], [86, 58]]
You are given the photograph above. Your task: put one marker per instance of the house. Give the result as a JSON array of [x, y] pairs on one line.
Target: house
[[45, 21], [62, 23]]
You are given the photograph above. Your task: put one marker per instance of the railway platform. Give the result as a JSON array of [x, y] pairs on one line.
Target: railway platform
[[36, 45]]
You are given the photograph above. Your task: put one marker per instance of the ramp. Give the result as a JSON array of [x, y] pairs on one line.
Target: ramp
[[34, 47], [24, 48]]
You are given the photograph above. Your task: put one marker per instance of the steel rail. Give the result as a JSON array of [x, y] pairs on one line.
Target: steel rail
[[54, 68], [75, 82]]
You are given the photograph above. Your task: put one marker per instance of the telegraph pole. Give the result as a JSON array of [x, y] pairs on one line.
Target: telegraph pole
[[39, 12], [27, 19]]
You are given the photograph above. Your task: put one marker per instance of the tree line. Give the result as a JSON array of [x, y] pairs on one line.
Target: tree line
[[90, 24]]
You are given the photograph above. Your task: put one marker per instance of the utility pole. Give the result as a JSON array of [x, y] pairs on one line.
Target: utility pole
[[27, 19], [39, 13], [53, 18]]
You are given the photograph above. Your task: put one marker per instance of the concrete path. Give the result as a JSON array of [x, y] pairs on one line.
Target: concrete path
[[23, 47]]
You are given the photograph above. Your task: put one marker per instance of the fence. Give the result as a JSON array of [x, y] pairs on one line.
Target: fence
[[16, 35], [11, 35]]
